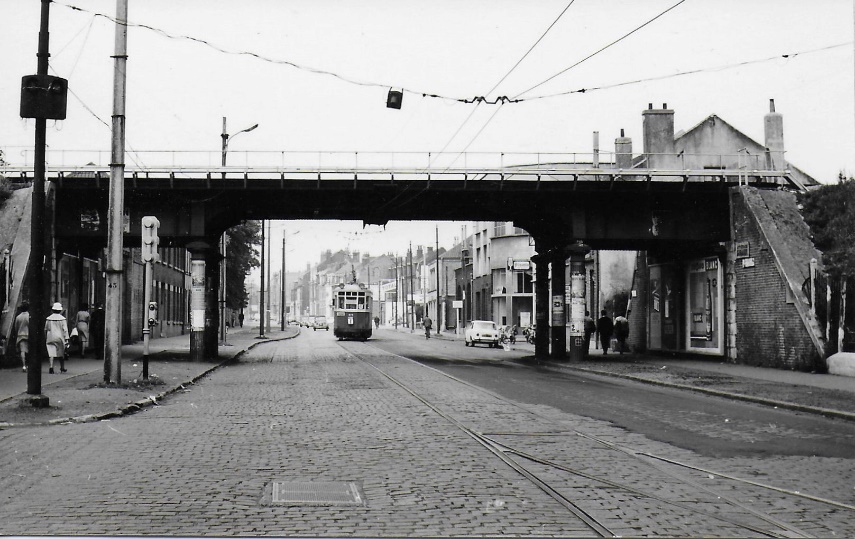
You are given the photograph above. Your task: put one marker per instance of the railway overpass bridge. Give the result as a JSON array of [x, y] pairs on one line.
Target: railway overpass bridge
[[563, 201]]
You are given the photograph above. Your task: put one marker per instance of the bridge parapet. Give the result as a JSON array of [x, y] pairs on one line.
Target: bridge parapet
[[373, 162]]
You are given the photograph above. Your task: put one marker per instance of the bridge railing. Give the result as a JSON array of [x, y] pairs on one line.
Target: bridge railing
[[432, 162]]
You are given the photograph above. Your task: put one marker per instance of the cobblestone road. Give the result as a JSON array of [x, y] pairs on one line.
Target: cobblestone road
[[203, 462]]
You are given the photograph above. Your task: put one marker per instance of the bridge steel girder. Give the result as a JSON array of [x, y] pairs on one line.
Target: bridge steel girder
[[605, 215]]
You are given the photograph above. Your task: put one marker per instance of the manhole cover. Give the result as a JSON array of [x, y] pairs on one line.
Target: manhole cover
[[315, 493]]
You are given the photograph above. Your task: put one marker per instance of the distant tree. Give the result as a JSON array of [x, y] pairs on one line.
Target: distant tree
[[242, 254], [829, 211]]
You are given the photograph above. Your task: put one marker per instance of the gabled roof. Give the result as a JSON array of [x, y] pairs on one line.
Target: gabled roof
[[726, 139]]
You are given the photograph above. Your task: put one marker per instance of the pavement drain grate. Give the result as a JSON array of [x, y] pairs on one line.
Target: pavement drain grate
[[316, 493]]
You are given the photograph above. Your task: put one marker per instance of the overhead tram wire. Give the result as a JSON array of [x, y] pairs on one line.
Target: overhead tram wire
[[252, 54], [478, 100], [524, 56], [787, 56], [615, 42], [517, 99]]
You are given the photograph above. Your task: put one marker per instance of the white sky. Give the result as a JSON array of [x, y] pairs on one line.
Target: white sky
[[179, 90]]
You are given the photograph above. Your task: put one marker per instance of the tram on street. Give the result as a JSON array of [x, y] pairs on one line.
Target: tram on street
[[352, 311]]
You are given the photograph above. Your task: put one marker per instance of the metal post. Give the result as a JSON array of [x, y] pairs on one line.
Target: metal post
[[397, 295], [261, 295], [115, 220], [146, 327], [438, 316], [38, 290], [225, 136], [223, 245], [282, 288], [412, 297], [509, 298], [269, 253]]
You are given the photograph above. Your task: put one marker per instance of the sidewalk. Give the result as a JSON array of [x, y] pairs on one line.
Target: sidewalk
[[81, 395], [823, 394]]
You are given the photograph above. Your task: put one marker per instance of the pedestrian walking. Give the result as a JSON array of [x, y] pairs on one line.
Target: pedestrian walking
[[376, 321], [56, 336], [22, 333], [240, 318], [96, 327], [82, 324], [427, 323], [605, 327], [590, 329], [621, 332]]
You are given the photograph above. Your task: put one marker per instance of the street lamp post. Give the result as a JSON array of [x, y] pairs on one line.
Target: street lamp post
[[226, 138]]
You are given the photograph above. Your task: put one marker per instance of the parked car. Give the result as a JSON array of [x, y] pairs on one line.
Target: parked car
[[481, 331], [320, 322]]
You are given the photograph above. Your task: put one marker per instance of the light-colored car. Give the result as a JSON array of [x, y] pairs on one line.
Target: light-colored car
[[481, 331], [320, 322]]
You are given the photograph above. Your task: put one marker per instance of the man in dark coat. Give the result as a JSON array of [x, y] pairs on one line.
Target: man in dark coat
[[605, 327]]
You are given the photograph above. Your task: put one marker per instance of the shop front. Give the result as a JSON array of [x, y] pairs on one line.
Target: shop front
[[686, 307]]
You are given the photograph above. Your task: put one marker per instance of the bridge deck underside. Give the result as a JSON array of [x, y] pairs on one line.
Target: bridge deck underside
[[606, 212]]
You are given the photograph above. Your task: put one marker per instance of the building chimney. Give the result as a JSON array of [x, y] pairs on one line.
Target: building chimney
[[774, 130], [658, 125], [623, 152]]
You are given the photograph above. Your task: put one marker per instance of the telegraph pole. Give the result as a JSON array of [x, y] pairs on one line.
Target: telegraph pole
[[115, 219]]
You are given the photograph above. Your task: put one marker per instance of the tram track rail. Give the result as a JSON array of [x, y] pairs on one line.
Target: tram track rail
[[515, 458]]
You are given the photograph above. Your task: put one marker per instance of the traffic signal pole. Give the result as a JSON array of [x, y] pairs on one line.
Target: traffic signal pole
[[150, 243]]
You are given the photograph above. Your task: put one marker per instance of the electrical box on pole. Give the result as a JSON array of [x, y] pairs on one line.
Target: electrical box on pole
[[150, 240]]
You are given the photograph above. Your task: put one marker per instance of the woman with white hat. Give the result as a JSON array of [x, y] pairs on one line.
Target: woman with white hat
[[56, 336]]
